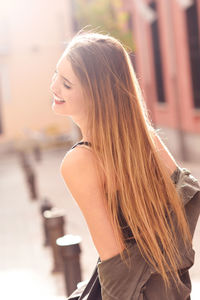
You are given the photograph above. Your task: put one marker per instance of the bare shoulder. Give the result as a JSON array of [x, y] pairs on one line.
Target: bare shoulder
[[79, 169], [77, 157]]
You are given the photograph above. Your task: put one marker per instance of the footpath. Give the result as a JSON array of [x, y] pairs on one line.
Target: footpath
[[25, 264]]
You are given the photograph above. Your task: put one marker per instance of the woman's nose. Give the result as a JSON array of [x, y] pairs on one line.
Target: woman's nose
[[52, 87], [53, 84]]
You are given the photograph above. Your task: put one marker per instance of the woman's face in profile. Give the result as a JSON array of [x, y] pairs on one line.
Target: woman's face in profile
[[67, 92]]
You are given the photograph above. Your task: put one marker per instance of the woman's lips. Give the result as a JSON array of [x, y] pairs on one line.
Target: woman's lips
[[59, 102]]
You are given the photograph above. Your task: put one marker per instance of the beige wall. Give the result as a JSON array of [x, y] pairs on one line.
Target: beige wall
[[32, 39]]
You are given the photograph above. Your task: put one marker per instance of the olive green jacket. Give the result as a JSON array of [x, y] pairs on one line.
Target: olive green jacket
[[142, 282], [111, 279]]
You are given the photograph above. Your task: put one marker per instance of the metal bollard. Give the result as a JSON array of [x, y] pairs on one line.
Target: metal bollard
[[24, 159], [55, 226], [46, 205], [29, 174], [37, 152], [70, 252], [30, 177]]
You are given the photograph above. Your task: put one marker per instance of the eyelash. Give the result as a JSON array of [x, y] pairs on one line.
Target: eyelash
[[66, 86]]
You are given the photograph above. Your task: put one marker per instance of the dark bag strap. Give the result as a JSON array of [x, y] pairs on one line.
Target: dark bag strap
[[92, 290]]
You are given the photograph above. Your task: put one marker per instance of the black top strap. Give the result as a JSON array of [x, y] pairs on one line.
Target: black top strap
[[81, 143]]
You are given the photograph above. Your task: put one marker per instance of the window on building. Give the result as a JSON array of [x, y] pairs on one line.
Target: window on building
[[157, 57], [194, 50]]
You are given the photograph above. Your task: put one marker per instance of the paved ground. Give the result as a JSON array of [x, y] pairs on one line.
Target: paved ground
[[25, 265]]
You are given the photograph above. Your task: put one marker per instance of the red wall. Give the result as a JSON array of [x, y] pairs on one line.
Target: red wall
[[178, 111]]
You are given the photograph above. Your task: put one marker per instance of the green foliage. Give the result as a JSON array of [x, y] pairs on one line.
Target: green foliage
[[106, 15]]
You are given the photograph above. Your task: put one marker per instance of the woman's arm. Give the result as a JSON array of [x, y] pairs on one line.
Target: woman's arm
[[82, 179]]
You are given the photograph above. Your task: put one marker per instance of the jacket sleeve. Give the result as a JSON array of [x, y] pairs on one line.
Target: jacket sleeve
[[188, 188]]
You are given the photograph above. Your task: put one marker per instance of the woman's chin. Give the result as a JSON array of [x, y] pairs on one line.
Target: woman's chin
[[58, 110]]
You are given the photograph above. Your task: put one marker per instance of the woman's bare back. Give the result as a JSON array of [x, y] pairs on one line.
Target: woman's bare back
[[80, 175]]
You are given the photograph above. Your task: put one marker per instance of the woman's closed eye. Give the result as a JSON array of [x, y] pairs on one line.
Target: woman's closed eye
[[66, 86]]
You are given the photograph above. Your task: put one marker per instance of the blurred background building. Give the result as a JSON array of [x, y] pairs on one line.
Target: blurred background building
[[167, 39], [33, 35], [162, 36], [163, 41]]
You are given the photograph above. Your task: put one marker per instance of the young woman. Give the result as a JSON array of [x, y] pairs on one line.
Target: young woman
[[122, 176]]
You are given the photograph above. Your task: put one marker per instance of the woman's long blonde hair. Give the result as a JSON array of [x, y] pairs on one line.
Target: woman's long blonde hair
[[122, 140]]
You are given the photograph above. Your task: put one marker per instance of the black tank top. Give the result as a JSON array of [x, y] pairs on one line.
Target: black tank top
[[127, 233]]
